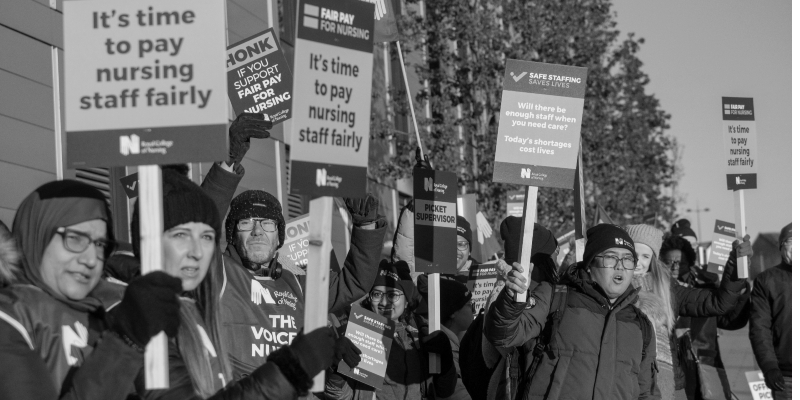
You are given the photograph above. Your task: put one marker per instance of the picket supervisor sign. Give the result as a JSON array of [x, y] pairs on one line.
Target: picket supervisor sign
[[435, 196], [372, 334], [540, 124], [739, 142], [332, 97], [259, 78], [144, 82]]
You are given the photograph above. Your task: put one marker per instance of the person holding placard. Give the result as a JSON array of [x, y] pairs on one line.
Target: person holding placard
[[771, 321], [601, 345], [79, 325], [394, 296], [262, 302], [198, 364], [663, 300]]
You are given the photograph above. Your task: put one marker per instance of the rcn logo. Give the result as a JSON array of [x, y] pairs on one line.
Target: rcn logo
[[428, 184], [622, 242], [322, 177], [70, 338], [129, 144], [740, 180], [358, 372], [259, 294]]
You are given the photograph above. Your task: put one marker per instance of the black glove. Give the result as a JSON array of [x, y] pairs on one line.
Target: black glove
[[347, 351], [438, 343], [740, 249], [150, 305], [422, 163], [314, 351], [246, 126], [364, 210], [774, 380]]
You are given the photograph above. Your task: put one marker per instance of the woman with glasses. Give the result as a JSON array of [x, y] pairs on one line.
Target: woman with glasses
[[394, 296], [662, 299], [57, 306]]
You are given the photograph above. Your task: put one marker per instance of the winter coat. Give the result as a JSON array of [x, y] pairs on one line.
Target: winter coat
[[771, 319], [260, 314], [599, 350]]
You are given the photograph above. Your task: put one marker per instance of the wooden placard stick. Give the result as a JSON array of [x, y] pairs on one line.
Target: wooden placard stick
[[434, 319], [318, 272], [526, 238], [738, 206], [151, 214]]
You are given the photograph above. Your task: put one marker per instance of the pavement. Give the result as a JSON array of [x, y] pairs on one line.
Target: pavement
[[737, 356]]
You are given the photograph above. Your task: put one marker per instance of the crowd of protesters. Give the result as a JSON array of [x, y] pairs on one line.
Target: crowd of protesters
[[634, 318]]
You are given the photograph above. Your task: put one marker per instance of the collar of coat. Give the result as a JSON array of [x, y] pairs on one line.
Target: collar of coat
[[580, 279]]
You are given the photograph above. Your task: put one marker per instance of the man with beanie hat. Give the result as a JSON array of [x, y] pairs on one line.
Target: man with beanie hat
[[464, 258], [601, 345], [262, 302], [771, 320]]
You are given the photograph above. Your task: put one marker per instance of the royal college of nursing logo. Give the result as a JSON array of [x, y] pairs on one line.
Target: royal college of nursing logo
[[129, 144], [325, 180], [740, 181], [260, 294], [132, 144], [79, 337]]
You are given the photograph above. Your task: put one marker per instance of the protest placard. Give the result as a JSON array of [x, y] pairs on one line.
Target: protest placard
[[295, 246], [740, 142], [759, 389], [721, 246], [372, 334], [435, 194], [259, 78], [481, 282], [140, 84], [515, 203], [332, 98], [540, 124]]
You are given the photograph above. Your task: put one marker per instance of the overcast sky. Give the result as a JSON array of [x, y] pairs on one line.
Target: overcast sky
[[697, 52]]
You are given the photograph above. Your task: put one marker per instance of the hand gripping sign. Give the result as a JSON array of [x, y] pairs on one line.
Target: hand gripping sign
[[372, 334]]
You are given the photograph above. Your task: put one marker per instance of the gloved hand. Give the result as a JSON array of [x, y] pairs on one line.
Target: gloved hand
[[315, 350], [422, 163], [774, 380], [347, 351], [363, 210], [438, 343], [740, 249], [150, 305], [245, 127]]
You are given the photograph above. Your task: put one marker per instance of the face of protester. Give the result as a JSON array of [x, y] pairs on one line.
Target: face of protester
[[188, 250], [462, 247], [614, 281], [257, 246], [673, 260], [74, 274], [645, 256], [385, 307], [786, 251], [461, 319]]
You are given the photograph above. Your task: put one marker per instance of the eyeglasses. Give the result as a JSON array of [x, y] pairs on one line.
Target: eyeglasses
[[377, 296], [248, 224], [610, 261], [462, 245], [77, 242]]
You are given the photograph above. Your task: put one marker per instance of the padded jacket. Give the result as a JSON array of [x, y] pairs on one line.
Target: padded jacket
[[598, 350]]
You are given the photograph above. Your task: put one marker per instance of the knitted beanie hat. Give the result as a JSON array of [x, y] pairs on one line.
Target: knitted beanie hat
[[786, 233], [453, 296], [183, 202], [398, 276], [647, 234], [255, 204], [464, 230], [602, 237], [683, 227]]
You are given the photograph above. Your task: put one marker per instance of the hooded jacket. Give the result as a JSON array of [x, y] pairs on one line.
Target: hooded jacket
[[771, 319], [599, 350], [69, 336]]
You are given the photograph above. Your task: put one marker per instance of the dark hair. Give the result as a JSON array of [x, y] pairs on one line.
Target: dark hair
[[675, 242]]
